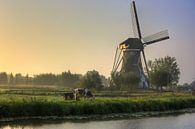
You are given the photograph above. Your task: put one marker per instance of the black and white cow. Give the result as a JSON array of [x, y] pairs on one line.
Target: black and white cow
[[83, 92]]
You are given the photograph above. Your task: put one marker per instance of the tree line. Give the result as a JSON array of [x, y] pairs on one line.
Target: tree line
[[92, 79], [163, 73]]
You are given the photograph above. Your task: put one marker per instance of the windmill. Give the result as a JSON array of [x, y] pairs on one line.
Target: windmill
[[128, 53]]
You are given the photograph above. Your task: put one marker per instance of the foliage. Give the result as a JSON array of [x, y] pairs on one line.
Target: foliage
[[22, 105], [125, 81], [159, 78], [45, 79], [11, 79], [105, 81], [69, 79], [65, 79], [3, 78], [131, 80], [27, 79], [164, 71], [19, 79], [92, 80], [116, 80]]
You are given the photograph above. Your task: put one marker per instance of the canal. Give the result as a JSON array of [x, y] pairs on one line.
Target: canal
[[184, 121]]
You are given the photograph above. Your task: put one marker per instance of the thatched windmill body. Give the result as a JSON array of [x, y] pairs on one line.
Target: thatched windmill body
[[128, 53]]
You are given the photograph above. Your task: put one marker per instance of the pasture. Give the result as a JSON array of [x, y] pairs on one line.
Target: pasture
[[27, 103]]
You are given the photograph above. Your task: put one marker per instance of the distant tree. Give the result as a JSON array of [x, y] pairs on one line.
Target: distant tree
[[105, 81], [160, 78], [45, 79], [184, 87], [92, 80], [19, 79], [164, 72], [27, 79], [69, 79], [116, 81], [130, 80], [11, 79], [3, 78], [125, 81]]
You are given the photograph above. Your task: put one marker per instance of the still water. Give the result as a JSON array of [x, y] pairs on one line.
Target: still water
[[184, 121]]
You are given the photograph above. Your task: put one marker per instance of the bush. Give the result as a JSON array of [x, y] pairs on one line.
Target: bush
[[23, 106]]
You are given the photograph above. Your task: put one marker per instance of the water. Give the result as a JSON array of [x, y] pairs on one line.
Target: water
[[185, 121]]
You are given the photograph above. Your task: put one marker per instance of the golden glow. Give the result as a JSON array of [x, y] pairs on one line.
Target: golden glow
[[41, 36], [123, 46], [38, 40]]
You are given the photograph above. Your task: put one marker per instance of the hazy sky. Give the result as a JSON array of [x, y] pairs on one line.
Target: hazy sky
[[41, 36]]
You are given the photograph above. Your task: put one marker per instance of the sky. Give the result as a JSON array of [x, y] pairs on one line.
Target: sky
[[43, 36]]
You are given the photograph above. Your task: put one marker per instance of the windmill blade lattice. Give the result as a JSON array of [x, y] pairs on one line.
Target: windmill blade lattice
[[156, 37]]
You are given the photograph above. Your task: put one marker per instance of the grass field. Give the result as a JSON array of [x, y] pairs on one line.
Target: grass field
[[16, 105], [34, 90]]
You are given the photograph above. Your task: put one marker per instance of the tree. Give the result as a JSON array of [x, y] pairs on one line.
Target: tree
[[164, 71], [125, 81], [160, 78], [45, 79], [130, 80], [3, 78], [69, 79], [105, 81], [92, 80], [19, 79], [26, 79], [116, 81], [11, 79]]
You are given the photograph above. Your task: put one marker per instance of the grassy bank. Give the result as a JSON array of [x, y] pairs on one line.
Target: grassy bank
[[27, 106]]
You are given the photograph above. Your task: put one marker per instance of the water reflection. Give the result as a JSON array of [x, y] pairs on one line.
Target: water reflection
[[185, 121]]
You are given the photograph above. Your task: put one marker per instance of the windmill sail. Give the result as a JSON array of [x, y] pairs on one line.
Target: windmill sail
[[135, 22], [156, 37]]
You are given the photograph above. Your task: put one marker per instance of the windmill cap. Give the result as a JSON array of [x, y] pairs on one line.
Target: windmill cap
[[131, 43]]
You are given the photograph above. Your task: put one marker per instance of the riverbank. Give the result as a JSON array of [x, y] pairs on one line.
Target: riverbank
[[116, 116], [21, 107]]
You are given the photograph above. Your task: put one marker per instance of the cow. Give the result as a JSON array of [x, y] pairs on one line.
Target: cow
[[88, 94], [68, 95], [82, 92], [79, 91]]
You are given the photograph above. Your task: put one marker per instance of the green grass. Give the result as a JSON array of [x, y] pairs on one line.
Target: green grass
[[27, 105]]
